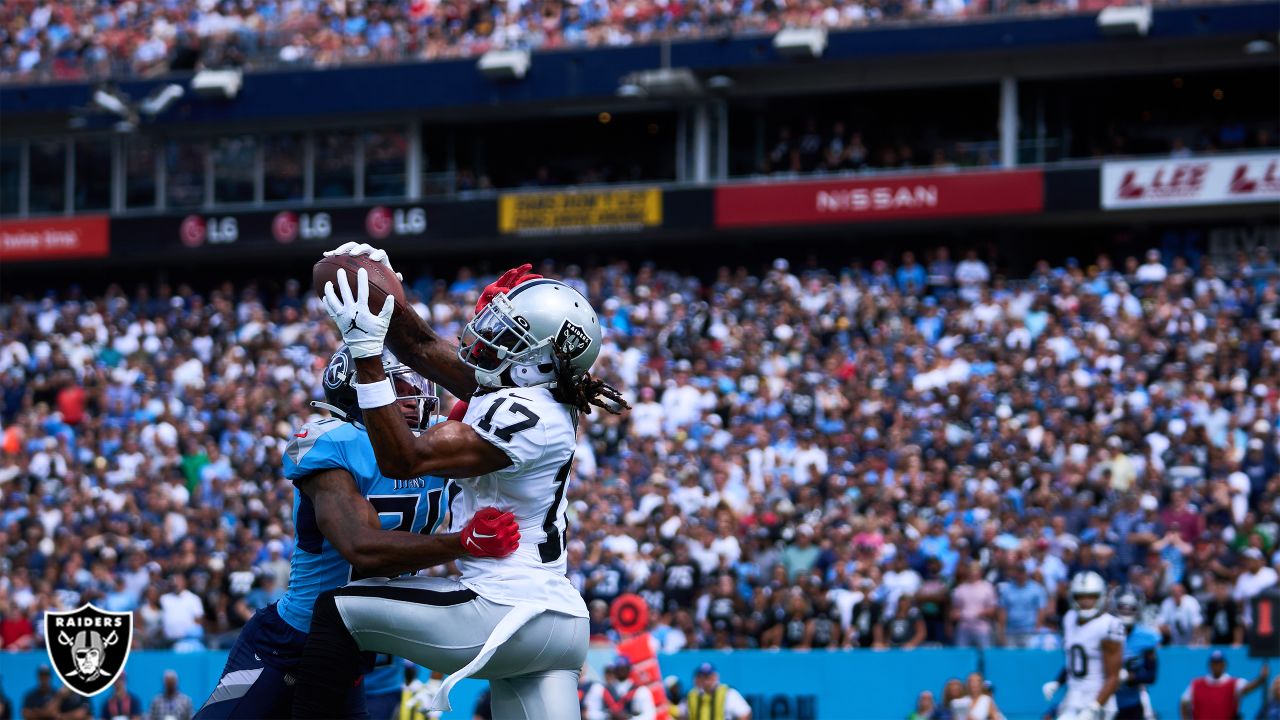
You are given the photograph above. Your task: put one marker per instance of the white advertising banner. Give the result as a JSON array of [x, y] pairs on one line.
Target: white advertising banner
[[1227, 180]]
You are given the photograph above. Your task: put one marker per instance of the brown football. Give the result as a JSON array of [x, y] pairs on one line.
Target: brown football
[[381, 281]]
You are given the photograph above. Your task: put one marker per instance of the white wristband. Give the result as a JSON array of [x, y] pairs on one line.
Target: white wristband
[[376, 394]]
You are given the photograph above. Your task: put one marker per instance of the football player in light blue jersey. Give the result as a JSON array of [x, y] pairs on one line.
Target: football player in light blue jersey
[[346, 516], [1140, 666]]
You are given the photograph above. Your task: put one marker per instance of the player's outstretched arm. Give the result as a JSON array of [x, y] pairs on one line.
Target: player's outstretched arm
[[350, 523], [449, 449], [415, 344]]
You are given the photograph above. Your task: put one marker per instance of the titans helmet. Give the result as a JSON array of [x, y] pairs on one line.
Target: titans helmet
[[339, 382]]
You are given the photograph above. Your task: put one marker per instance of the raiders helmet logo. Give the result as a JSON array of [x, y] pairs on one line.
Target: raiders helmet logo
[[88, 647], [338, 372], [572, 340]]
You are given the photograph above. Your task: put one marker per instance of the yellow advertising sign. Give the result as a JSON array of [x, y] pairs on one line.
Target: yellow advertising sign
[[559, 212]]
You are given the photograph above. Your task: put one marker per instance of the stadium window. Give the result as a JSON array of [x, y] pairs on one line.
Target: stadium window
[[10, 178], [139, 172], [335, 165], [93, 174], [184, 166], [384, 163], [284, 160], [48, 177], [234, 165]]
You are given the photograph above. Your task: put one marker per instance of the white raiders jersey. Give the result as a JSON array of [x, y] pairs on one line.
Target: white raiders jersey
[[1083, 646], [539, 435]]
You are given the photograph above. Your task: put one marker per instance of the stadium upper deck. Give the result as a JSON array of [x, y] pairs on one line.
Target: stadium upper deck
[[41, 41]]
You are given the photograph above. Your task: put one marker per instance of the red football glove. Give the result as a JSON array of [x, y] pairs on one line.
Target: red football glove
[[458, 411], [505, 282], [491, 533]]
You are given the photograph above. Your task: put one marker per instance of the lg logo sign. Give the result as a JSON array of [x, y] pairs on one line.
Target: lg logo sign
[[382, 222], [196, 230], [288, 226]]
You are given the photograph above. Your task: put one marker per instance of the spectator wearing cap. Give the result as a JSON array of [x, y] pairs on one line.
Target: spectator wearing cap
[[1255, 578], [619, 697], [1217, 696], [170, 703], [122, 704], [712, 700], [926, 707]]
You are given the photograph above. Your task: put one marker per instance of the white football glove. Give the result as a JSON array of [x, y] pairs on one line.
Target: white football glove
[[375, 254], [1093, 712], [1049, 689], [362, 330]]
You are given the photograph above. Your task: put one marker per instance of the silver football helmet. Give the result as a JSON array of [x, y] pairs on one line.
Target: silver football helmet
[[1085, 584], [519, 338], [1126, 604]]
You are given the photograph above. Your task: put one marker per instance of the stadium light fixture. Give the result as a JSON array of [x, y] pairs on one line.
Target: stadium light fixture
[[505, 64], [661, 82], [1125, 21], [161, 99], [719, 83], [107, 100], [218, 84], [1259, 46], [630, 90], [801, 43]]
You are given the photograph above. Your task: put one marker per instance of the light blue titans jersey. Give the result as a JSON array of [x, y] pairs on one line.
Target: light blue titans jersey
[[1141, 641], [415, 505]]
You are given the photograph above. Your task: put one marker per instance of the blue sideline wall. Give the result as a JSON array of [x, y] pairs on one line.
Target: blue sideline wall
[[781, 685]]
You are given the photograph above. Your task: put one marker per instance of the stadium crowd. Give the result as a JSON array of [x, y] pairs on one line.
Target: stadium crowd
[[44, 39], [883, 455]]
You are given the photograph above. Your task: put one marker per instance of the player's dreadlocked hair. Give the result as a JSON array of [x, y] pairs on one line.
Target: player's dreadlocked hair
[[577, 387]]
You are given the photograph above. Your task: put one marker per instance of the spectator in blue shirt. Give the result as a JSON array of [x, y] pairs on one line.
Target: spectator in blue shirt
[[1022, 605], [910, 275]]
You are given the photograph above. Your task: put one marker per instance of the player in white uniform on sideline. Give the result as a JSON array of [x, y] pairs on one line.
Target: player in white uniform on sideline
[[1094, 645], [518, 621]]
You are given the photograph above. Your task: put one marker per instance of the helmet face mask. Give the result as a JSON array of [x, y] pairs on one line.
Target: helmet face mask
[[522, 336], [496, 339], [1126, 604]]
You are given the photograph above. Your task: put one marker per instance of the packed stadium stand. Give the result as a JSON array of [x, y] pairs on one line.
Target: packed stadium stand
[[920, 312], [898, 431]]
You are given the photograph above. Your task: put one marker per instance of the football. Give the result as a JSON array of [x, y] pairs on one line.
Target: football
[[382, 282]]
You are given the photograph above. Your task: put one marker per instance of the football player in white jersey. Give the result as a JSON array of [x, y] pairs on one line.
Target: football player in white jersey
[[1094, 644], [517, 622]]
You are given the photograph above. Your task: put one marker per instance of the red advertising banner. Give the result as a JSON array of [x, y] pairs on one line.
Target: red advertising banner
[[55, 238], [889, 197]]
